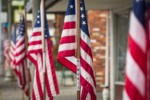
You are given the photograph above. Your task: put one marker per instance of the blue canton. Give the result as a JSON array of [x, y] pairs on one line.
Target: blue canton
[[14, 35], [139, 9], [71, 8], [21, 28], [83, 19], [38, 24]]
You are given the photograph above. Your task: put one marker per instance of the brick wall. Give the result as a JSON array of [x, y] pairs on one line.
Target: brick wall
[[97, 28], [119, 89]]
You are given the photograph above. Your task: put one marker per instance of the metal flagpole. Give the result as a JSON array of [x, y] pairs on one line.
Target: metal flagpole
[[43, 45], [78, 32], [26, 41]]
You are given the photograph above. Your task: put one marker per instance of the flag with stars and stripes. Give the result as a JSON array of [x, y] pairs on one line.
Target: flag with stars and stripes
[[6, 55], [36, 56], [12, 49], [67, 49], [136, 74], [20, 58]]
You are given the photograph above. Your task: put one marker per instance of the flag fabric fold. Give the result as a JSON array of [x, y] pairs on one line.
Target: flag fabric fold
[[20, 58], [67, 49], [36, 56], [136, 73], [12, 50]]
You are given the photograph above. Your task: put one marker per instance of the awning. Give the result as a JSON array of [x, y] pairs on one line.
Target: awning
[[118, 6]]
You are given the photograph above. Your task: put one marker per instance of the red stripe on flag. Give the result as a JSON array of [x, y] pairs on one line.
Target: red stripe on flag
[[88, 68], [69, 25], [63, 54], [35, 43], [86, 48], [133, 93], [67, 39], [138, 55], [36, 33], [67, 63], [52, 66], [87, 88], [38, 81], [48, 87]]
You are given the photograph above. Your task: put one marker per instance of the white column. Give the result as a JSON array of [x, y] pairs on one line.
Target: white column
[[106, 92], [112, 55], [107, 52]]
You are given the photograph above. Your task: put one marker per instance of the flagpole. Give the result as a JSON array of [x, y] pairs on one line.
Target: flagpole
[[43, 45], [78, 32], [26, 41], [22, 95]]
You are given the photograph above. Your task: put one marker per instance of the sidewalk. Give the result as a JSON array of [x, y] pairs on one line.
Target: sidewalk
[[10, 91]]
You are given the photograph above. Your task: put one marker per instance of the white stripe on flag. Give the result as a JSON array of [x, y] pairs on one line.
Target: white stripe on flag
[[88, 78], [136, 27], [70, 18], [68, 32], [37, 29], [20, 39], [68, 46], [86, 58], [34, 47], [19, 57], [85, 38], [49, 73], [20, 48], [138, 78], [35, 38], [35, 88], [40, 70], [72, 59]]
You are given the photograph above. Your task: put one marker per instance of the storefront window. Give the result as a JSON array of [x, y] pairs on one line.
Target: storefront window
[[122, 33]]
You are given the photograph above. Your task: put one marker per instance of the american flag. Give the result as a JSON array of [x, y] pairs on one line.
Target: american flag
[[67, 48], [12, 49], [36, 56], [20, 58], [6, 55], [136, 80]]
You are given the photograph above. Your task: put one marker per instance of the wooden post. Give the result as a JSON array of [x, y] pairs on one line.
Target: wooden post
[[43, 43], [22, 95], [78, 32], [26, 42]]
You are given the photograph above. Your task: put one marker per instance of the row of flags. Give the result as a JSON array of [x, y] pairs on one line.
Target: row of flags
[[45, 83], [47, 80], [17, 55]]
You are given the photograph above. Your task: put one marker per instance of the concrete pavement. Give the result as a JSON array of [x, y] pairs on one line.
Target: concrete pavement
[[10, 90]]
